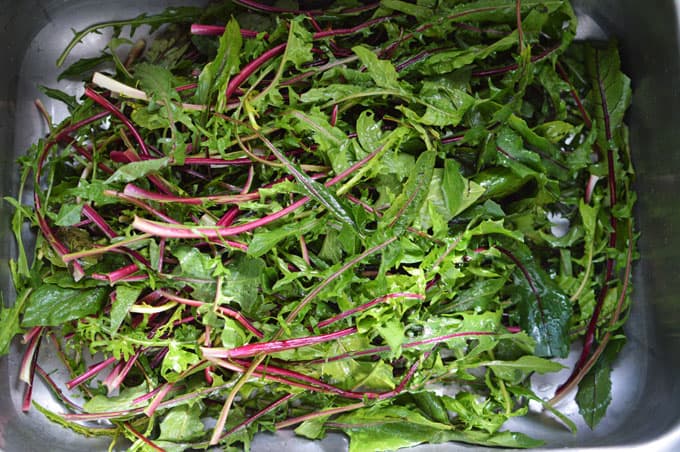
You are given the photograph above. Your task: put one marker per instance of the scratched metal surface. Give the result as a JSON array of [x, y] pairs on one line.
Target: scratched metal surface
[[645, 412]]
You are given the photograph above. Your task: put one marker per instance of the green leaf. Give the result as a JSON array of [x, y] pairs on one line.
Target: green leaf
[[265, 240], [182, 423], [518, 370], [245, 276], [9, 319], [610, 93], [299, 45], [177, 360], [379, 428], [69, 214], [61, 96], [594, 391], [330, 93], [215, 75], [312, 428], [382, 72], [544, 310], [170, 15], [510, 440], [84, 66], [487, 227], [158, 81], [403, 210], [125, 297], [51, 305], [315, 190], [124, 401], [407, 8], [444, 106], [459, 193], [136, 170], [369, 131]]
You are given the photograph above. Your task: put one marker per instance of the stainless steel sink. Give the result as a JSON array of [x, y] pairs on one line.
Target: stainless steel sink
[[645, 412]]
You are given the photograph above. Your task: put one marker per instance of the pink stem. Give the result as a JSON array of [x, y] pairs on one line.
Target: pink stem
[[97, 219], [153, 406], [174, 231], [384, 348], [257, 6], [91, 372], [224, 310], [246, 351], [101, 100], [261, 413], [286, 373], [134, 191], [252, 67], [363, 307], [218, 30]]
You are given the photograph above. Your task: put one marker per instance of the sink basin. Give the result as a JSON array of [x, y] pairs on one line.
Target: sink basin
[[645, 412]]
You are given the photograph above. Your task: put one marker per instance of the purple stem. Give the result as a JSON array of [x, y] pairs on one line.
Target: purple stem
[[97, 219], [589, 337], [257, 6], [385, 348], [134, 191], [363, 307], [153, 406], [102, 101], [90, 372], [218, 30], [267, 370], [55, 388], [175, 231], [351, 30], [249, 350], [117, 275], [223, 309], [514, 66], [252, 67], [229, 217], [27, 369], [260, 413], [142, 205]]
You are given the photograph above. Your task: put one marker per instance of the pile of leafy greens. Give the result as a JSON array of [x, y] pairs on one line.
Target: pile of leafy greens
[[379, 219]]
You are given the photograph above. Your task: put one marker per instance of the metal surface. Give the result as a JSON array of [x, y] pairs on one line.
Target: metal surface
[[645, 412]]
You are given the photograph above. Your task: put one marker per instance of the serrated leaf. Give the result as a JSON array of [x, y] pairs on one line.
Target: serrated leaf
[[136, 170], [594, 391], [215, 75], [9, 319], [382, 72], [403, 210]]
